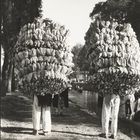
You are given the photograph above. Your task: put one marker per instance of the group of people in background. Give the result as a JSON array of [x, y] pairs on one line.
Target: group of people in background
[[132, 105]]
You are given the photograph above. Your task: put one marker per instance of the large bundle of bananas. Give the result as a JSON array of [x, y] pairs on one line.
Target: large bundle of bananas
[[43, 59], [113, 51]]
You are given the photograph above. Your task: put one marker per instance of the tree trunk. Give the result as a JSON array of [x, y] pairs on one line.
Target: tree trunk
[[14, 15], [0, 68], [10, 75], [6, 16], [13, 84], [6, 76]]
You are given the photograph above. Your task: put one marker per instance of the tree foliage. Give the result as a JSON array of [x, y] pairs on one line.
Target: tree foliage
[[82, 59], [131, 6], [76, 50]]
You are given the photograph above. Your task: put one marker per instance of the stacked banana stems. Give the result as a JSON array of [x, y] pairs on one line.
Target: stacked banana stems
[[43, 58], [113, 52]]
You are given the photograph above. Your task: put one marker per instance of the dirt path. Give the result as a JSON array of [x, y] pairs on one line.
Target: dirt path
[[73, 125]]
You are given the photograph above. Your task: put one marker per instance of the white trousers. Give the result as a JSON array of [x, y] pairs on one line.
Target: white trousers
[[138, 104], [110, 107], [36, 116]]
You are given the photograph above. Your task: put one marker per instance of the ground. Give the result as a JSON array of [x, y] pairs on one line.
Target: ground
[[74, 124]]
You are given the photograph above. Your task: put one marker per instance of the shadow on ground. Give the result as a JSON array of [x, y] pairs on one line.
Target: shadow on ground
[[18, 130], [23, 130]]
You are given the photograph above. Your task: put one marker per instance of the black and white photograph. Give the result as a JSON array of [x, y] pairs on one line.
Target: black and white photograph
[[70, 70]]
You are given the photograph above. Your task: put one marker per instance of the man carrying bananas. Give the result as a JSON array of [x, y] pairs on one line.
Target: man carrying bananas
[[41, 108], [111, 103]]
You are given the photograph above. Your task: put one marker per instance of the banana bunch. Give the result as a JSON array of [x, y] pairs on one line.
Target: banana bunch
[[113, 52], [42, 51]]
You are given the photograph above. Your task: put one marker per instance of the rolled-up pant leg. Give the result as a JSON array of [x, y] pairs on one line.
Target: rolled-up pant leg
[[106, 110], [115, 111], [46, 118], [36, 114]]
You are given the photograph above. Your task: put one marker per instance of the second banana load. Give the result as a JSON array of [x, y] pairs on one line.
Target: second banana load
[[113, 50]]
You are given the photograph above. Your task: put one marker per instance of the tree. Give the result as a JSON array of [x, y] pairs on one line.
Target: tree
[[6, 42], [134, 17], [76, 49], [82, 59], [15, 14], [0, 43]]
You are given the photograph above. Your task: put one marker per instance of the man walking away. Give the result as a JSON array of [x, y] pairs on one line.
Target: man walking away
[[41, 107], [111, 103]]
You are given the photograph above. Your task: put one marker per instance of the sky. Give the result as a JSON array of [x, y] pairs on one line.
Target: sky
[[74, 14]]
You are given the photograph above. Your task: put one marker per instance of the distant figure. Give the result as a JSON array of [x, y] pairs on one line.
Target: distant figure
[[64, 96], [100, 101], [137, 119], [129, 105], [100, 104], [111, 105], [60, 101], [55, 103], [137, 105]]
